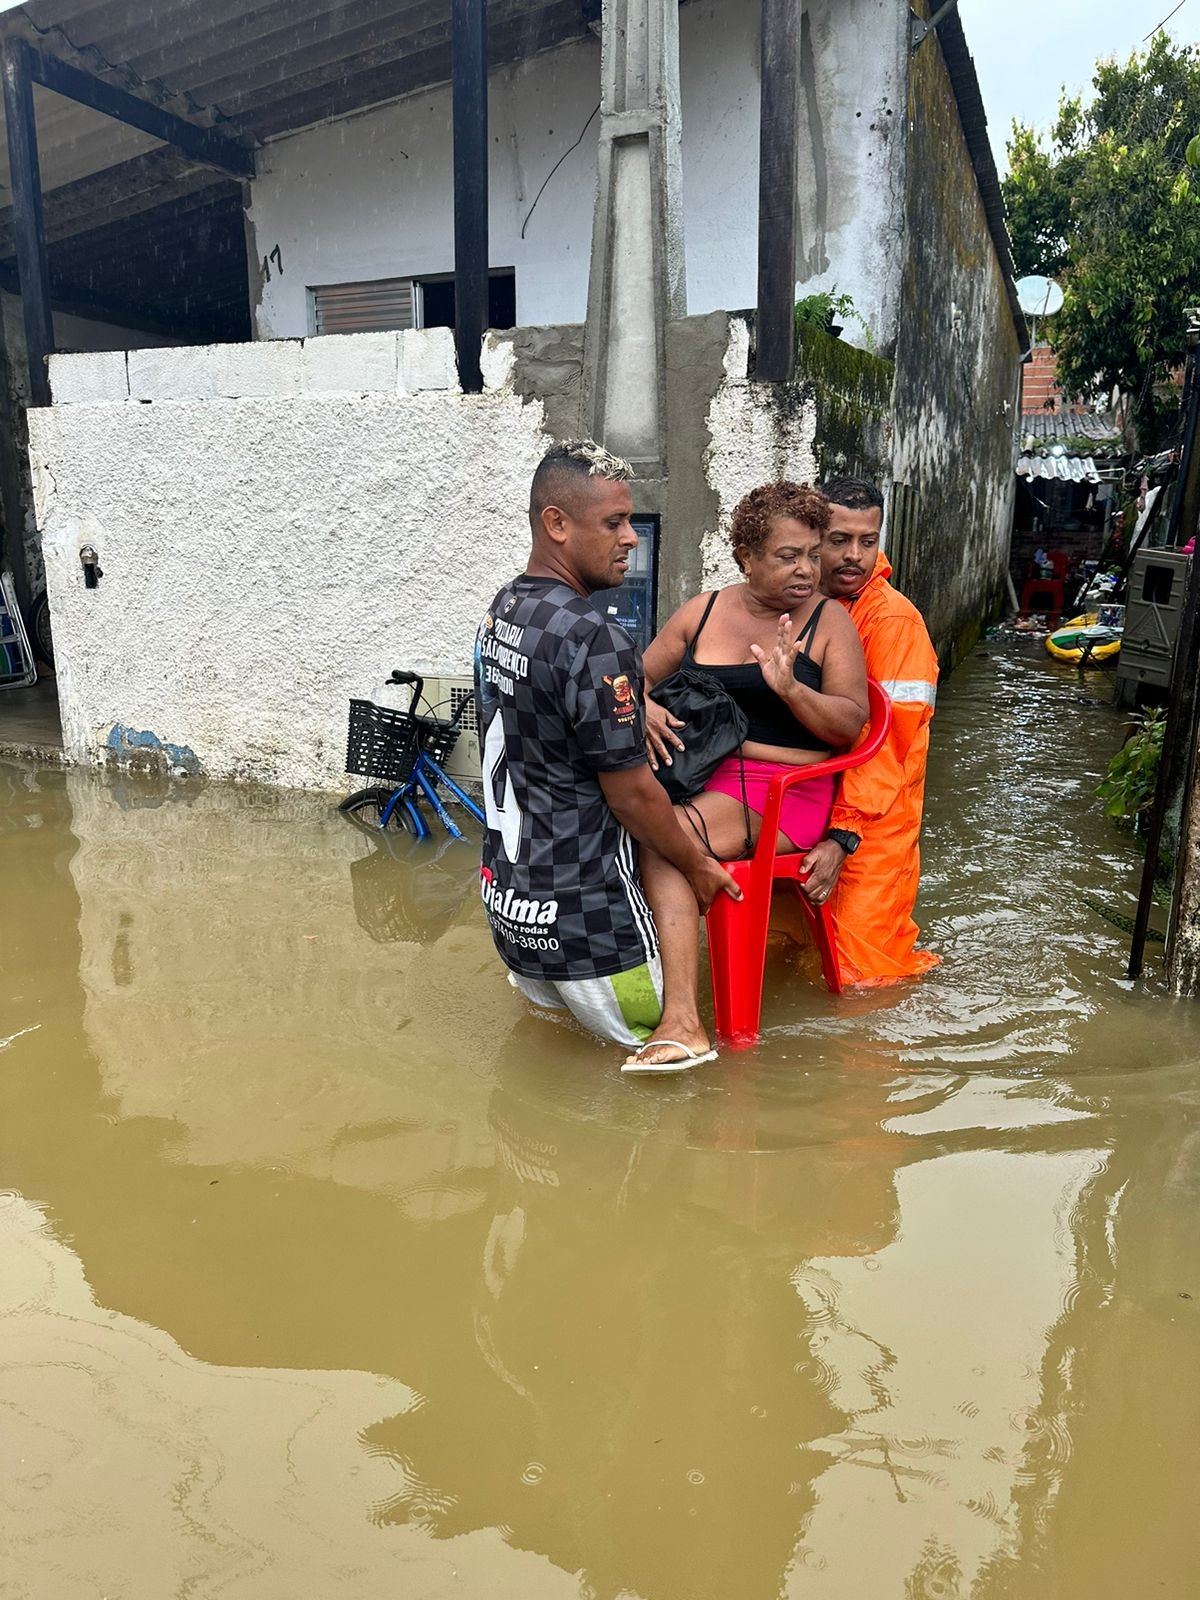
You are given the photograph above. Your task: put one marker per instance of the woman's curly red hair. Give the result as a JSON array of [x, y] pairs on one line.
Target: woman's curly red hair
[[754, 512]]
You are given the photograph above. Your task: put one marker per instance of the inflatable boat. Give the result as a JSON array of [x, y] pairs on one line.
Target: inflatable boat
[[1084, 639]]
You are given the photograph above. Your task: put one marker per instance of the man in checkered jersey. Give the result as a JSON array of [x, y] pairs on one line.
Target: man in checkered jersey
[[567, 788]]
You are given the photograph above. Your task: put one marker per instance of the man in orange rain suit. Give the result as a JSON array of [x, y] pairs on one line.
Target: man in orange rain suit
[[869, 863]]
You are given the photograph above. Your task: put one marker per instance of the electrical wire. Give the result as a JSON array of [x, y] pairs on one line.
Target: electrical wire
[[1165, 20], [558, 164]]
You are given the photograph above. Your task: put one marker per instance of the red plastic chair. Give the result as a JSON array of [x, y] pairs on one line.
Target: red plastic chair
[[1037, 589], [1045, 595], [737, 929]]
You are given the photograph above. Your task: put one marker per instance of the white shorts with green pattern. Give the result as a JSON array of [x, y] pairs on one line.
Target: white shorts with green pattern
[[625, 1008]]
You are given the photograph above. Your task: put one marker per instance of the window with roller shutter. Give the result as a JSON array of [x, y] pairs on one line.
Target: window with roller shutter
[[377, 306]]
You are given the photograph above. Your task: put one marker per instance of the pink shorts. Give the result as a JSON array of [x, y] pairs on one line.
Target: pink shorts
[[805, 813]]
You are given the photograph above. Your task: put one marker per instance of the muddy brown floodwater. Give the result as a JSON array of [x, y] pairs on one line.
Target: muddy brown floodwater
[[329, 1273]]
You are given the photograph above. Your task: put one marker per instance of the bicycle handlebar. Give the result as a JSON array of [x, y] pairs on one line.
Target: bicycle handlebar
[[413, 678]]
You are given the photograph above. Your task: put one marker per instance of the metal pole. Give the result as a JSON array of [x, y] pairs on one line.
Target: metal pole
[[920, 28], [777, 196], [207, 146], [29, 231], [1180, 732], [470, 101]]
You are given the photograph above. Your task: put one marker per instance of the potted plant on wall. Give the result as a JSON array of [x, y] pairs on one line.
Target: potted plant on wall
[[824, 309]]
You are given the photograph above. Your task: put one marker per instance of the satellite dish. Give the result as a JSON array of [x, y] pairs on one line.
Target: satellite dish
[[1039, 297]]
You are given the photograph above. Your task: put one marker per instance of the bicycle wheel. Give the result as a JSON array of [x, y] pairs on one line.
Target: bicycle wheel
[[367, 806], [39, 630]]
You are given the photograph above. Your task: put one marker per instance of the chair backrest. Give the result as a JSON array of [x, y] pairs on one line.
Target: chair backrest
[[879, 720]]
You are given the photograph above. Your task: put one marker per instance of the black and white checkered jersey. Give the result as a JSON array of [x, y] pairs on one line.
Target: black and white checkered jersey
[[560, 700]]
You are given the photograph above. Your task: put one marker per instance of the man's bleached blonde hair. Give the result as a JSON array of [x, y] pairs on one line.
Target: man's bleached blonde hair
[[600, 463], [566, 466]]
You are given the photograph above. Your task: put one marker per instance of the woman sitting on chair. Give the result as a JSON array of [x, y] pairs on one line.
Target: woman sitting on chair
[[794, 664]]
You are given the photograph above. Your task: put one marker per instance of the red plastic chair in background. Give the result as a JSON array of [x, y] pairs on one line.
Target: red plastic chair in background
[[737, 929], [1037, 589]]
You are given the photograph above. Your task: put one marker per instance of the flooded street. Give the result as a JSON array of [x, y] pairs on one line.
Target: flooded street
[[328, 1272]]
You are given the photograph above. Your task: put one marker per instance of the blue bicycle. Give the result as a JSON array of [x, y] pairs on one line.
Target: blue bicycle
[[403, 751]]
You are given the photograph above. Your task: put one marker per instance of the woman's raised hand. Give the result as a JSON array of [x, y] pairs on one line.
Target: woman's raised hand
[[778, 667]]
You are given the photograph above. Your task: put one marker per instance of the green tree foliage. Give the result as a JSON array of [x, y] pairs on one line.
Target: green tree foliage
[[1109, 206]]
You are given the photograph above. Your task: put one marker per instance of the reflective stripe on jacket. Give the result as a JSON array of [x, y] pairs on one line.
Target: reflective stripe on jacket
[[882, 800]]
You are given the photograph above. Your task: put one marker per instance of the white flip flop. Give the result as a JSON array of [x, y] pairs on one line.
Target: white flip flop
[[688, 1062]]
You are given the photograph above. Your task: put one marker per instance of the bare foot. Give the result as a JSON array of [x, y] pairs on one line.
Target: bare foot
[[671, 1049]]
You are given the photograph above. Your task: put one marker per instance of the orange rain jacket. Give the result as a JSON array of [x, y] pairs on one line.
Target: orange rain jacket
[[882, 800]]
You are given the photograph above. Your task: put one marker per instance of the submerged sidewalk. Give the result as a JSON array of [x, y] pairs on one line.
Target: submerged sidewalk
[[29, 722]]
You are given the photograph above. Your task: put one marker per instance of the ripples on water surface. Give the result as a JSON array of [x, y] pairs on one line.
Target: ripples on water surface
[[328, 1273]]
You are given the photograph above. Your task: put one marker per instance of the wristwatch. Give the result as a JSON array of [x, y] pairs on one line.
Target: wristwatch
[[848, 841]]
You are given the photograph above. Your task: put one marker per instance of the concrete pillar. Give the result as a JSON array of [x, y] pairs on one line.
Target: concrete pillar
[[637, 271]]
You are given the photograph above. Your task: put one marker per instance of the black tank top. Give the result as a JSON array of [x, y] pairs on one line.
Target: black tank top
[[770, 720]]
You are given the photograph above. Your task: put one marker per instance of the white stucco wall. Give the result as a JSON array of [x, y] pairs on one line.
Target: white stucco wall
[[70, 333], [751, 442], [370, 197], [278, 526]]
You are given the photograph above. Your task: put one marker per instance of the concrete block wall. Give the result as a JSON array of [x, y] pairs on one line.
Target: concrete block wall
[[396, 363]]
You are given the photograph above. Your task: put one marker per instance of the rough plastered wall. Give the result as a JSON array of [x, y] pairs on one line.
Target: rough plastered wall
[[851, 214], [833, 418], [278, 525], [956, 377], [757, 433], [726, 433], [370, 196]]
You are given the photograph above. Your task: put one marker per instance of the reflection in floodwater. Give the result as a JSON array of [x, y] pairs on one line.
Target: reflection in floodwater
[[328, 1271], [409, 889]]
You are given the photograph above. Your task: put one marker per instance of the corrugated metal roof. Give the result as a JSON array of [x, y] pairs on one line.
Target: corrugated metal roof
[[1049, 427], [1070, 469]]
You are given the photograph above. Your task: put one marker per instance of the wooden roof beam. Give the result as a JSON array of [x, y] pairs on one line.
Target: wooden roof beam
[[228, 32]]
